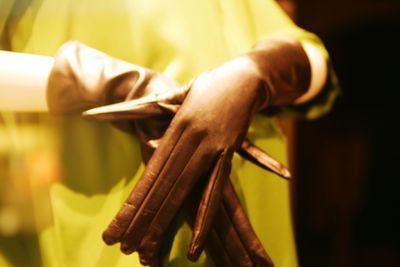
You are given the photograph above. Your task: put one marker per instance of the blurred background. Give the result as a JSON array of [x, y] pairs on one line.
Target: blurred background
[[29, 164], [345, 193]]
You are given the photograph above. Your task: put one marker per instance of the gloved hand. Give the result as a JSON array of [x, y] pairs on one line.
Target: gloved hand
[[81, 86], [232, 239], [210, 125]]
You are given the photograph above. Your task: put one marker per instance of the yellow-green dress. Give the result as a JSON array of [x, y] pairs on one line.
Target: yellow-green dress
[[77, 173]]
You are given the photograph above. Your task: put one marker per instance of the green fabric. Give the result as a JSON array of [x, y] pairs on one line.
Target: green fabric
[[96, 165]]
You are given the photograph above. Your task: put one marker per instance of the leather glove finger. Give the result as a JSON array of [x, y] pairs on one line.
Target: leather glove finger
[[241, 223], [168, 194], [231, 218], [211, 200], [209, 205], [149, 106], [122, 222]]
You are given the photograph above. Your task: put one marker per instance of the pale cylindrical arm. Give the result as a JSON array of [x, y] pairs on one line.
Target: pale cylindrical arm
[[23, 79], [319, 73]]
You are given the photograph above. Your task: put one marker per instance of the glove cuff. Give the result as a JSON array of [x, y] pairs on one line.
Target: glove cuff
[[284, 69], [84, 78]]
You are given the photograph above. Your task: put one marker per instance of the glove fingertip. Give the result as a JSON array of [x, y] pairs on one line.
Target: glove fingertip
[[109, 236], [262, 258], [194, 251], [126, 248], [149, 256], [258, 156], [209, 204], [266, 263], [144, 261], [157, 264]]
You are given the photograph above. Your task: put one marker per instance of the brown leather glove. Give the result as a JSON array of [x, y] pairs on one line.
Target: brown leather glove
[[74, 85], [209, 126], [232, 241]]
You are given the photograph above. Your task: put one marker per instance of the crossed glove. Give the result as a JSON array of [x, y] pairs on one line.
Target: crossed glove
[[208, 120]]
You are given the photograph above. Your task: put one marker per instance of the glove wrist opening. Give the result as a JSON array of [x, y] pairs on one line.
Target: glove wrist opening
[[284, 69]]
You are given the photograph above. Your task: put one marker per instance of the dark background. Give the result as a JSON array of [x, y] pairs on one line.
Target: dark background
[[346, 193]]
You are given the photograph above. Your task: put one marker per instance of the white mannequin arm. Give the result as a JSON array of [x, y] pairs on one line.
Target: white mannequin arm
[[23, 79], [319, 73]]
